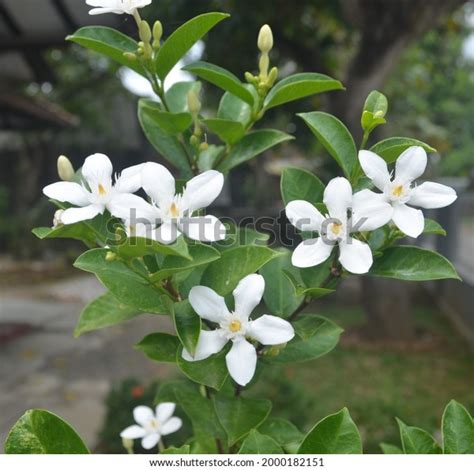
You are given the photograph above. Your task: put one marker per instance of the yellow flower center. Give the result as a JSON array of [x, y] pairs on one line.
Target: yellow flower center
[[154, 424], [235, 326], [102, 190], [174, 210], [336, 229], [397, 190]]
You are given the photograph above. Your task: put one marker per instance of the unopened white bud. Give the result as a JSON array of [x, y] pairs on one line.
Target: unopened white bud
[[128, 445], [57, 222], [194, 105], [65, 169], [265, 39]]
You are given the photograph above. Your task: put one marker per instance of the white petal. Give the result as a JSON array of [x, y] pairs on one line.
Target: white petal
[[208, 304], [375, 168], [158, 183], [269, 329], [166, 233], [210, 342], [311, 252], [248, 294], [432, 196], [65, 191], [97, 169], [151, 441], [355, 256], [202, 190], [241, 361], [134, 209], [130, 180], [143, 415], [411, 164], [304, 216], [410, 221], [172, 425], [369, 211], [164, 411], [101, 11], [338, 197], [204, 228], [78, 214], [133, 432]]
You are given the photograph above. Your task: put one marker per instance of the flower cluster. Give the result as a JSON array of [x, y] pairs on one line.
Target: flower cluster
[[116, 6]]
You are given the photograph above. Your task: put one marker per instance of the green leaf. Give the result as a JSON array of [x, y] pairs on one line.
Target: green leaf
[[222, 78], [458, 429], [228, 131], [431, 226], [177, 96], [211, 372], [334, 137], [316, 275], [256, 443], [42, 432], [376, 102], [239, 236], [410, 263], [166, 145], [160, 347], [286, 434], [183, 450], [234, 264], [234, 109], [238, 416], [170, 123], [179, 43], [335, 434], [390, 149], [390, 448], [126, 285], [79, 231], [208, 158], [316, 336], [109, 42], [279, 294], [201, 255], [187, 324], [300, 290], [252, 145], [299, 86], [104, 311], [298, 184], [416, 440]]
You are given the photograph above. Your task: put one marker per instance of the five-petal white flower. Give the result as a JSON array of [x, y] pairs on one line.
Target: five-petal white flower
[[151, 426], [236, 326], [116, 6], [363, 211], [100, 191], [399, 192], [173, 211]]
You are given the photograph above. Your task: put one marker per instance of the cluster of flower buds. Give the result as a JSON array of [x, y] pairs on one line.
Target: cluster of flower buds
[[194, 107], [150, 41]]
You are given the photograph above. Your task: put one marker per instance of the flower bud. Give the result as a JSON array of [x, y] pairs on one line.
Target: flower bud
[[65, 169], [128, 445], [110, 256], [204, 146], [265, 39], [194, 105], [157, 31], [249, 77], [272, 76], [57, 222], [145, 32], [130, 56]]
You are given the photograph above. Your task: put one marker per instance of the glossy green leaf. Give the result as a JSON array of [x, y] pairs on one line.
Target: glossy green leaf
[[209, 157], [300, 290], [335, 434], [77, 231], [125, 284], [298, 184], [234, 109], [42, 432], [211, 372], [222, 78], [286, 434], [177, 96], [279, 294], [458, 429], [316, 336], [433, 227], [252, 145], [391, 148], [224, 274], [390, 448], [238, 416], [299, 86], [109, 42], [188, 325], [239, 236], [160, 347], [181, 40], [256, 443], [376, 102], [137, 247], [334, 137], [416, 440], [102, 312], [316, 275], [410, 263], [170, 123], [228, 131]]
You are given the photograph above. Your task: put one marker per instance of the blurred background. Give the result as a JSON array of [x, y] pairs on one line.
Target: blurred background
[[407, 348]]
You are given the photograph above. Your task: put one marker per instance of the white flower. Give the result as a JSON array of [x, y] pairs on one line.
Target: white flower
[[116, 6], [173, 211], [100, 191], [399, 191], [236, 326], [363, 211], [151, 426]]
